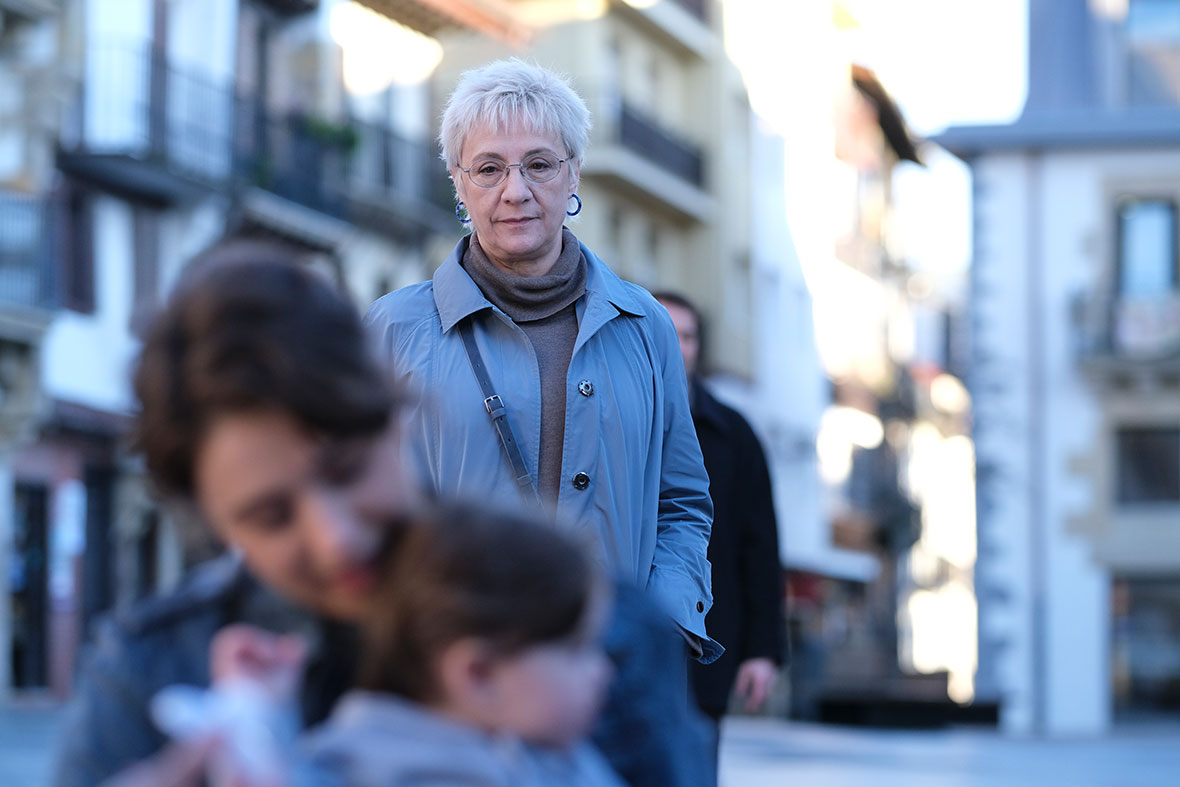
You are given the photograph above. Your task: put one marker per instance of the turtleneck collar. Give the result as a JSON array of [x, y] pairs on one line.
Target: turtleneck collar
[[525, 298]]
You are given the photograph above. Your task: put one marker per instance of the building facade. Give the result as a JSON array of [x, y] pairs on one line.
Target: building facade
[[1074, 337], [133, 135]]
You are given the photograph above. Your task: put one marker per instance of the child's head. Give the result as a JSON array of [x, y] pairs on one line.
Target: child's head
[[491, 618]]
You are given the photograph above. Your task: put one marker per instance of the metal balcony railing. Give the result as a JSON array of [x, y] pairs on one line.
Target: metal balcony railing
[[386, 165], [292, 6], [647, 138], [30, 9], [1109, 327], [26, 262], [144, 125], [296, 156]]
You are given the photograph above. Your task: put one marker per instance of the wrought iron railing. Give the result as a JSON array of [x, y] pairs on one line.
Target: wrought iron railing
[[647, 138], [294, 155], [386, 165], [26, 260], [136, 103], [1106, 326]]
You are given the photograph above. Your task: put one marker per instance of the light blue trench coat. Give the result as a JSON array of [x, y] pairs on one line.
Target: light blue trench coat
[[641, 491]]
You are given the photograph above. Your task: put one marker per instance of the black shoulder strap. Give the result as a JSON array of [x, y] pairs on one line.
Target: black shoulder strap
[[495, 407]]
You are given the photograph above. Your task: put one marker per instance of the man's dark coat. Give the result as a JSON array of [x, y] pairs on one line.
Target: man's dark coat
[[747, 615]]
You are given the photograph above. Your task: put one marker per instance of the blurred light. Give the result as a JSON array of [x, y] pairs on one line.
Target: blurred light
[[919, 287], [1114, 10], [860, 428], [949, 395], [944, 637], [379, 52], [840, 430]]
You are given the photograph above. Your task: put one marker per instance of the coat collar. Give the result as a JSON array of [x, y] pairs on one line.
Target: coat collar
[[456, 296]]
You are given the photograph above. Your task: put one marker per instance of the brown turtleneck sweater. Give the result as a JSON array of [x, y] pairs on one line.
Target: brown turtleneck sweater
[[544, 308]]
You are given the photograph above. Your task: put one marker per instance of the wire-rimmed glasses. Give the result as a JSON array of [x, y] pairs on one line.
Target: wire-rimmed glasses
[[489, 173]]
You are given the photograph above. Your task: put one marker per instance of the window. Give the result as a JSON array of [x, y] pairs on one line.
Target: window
[[1148, 464], [1146, 247]]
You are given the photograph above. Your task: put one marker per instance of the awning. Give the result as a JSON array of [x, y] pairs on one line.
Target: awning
[[494, 18]]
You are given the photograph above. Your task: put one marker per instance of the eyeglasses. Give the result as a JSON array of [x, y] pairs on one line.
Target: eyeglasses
[[535, 169]]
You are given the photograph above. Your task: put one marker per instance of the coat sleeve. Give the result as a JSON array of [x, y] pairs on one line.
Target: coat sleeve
[[760, 569], [681, 577], [107, 727]]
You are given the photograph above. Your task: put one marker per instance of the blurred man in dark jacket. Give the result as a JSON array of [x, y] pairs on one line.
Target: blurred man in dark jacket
[[747, 576]]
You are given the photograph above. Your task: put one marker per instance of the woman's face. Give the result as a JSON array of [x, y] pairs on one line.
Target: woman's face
[[307, 514], [518, 222]]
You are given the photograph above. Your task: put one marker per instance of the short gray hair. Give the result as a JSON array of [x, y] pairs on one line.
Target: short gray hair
[[509, 91]]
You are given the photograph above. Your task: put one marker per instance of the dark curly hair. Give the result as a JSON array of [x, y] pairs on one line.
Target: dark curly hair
[[249, 329]]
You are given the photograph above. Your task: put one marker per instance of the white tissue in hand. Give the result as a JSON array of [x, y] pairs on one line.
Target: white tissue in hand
[[255, 731]]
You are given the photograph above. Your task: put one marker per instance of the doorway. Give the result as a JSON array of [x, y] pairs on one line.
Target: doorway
[[29, 587]]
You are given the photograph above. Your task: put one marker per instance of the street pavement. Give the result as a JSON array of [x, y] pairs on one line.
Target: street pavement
[[763, 752], [772, 753], [27, 734]]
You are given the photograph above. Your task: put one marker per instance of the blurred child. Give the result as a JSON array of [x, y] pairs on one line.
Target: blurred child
[[483, 665]]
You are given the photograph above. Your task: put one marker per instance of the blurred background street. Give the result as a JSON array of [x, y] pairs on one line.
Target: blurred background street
[[935, 245], [759, 752]]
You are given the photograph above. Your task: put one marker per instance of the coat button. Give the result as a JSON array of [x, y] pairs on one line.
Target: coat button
[[581, 481], [700, 606], [586, 388]]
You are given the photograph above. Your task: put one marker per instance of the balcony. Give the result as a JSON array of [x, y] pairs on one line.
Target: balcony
[[1120, 335], [30, 9], [682, 25], [26, 269], [645, 137], [292, 7], [636, 154], [398, 185], [295, 156], [147, 129]]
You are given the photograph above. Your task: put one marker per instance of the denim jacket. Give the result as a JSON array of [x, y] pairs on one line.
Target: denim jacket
[[633, 481]]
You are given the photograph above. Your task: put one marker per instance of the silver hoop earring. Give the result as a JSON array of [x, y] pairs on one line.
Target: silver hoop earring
[[576, 210], [467, 219]]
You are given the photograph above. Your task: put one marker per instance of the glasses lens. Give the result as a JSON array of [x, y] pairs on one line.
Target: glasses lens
[[540, 169], [488, 173]]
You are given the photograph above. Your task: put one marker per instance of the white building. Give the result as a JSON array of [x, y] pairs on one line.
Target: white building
[[1076, 335]]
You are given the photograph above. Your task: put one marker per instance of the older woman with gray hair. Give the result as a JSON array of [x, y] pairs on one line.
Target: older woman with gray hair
[[547, 379]]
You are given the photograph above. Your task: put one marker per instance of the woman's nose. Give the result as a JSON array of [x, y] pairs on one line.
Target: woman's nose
[[516, 186], [337, 533]]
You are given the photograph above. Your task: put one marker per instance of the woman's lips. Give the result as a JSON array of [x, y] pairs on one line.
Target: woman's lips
[[516, 222], [360, 579]]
